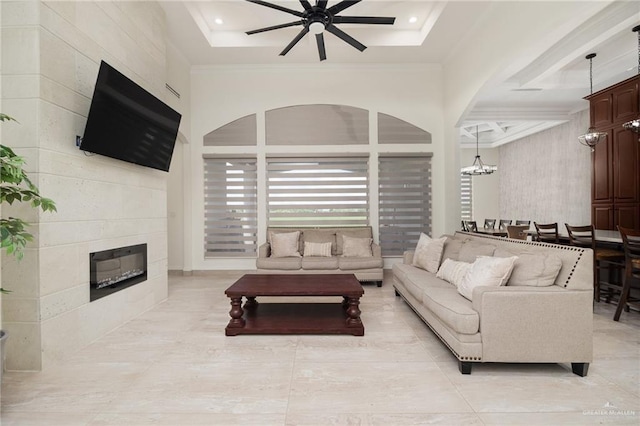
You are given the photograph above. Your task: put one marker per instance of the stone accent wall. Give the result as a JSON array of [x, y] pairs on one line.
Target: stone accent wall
[[51, 53], [546, 177]]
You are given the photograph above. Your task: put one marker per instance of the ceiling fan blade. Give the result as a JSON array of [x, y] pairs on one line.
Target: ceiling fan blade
[[275, 27], [363, 20], [322, 4], [345, 37], [321, 51], [306, 4], [276, 7], [337, 8], [301, 34]]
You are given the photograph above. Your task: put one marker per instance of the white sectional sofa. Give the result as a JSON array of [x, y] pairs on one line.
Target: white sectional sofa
[[537, 317], [365, 266]]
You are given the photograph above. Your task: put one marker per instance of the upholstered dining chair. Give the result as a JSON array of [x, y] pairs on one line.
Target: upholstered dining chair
[[603, 258], [547, 232], [523, 222], [517, 232], [489, 223], [504, 223], [631, 242], [472, 226]]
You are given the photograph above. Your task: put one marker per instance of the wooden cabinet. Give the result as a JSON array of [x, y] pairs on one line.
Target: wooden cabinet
[[615, 174]]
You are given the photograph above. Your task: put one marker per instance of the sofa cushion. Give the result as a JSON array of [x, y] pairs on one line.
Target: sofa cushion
[[321, 236], [453, 271], [533, 269], [451, 248], [353, 233], [284, 263], [273, 231], [452, 309], [356, 247], [317, 249], [285, 244], [320, 263], [428, 253], [486, 272], [471, 250], [355, 263]]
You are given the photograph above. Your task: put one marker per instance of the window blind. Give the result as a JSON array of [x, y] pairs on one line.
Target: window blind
[[404, 202], [466, 198], [318, 191], [230, 206]]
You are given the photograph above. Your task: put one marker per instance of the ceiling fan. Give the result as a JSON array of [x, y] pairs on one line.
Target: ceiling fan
[[316, 19]]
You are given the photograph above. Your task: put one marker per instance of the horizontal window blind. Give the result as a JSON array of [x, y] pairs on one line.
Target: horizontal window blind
[[230, 207], [318, 191], [404, 202], [465, 197]]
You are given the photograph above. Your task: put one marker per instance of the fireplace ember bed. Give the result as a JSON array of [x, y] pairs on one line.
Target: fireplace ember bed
[[116, 269]]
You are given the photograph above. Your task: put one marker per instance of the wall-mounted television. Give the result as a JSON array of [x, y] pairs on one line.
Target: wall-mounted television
[[128, 123]]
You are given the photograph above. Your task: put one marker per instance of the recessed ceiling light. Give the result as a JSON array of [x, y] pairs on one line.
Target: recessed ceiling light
[[413, 20], [219, 21]]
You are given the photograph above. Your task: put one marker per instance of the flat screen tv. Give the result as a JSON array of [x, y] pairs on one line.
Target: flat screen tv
[[128, 123]]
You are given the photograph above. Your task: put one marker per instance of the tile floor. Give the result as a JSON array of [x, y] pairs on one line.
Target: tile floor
[[174, 366]]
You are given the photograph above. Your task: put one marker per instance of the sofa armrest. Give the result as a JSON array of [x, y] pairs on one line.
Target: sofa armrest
[[407, 257], [535, 324], [376, 250], [264, 250]]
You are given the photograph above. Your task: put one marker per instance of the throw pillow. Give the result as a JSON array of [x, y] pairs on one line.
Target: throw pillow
[[453, 271], [533, 269], [356, 247], [285, 244], [317, 249], [486, 271], [428, 253]]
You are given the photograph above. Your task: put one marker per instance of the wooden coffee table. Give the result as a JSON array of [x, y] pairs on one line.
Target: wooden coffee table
[[295, 317]]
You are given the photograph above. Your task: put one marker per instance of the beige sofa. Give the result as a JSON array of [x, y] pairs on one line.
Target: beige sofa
[[515, 323], [364, 268]]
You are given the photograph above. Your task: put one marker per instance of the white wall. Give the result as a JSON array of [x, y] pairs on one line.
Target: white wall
[[179, 78], [546, 177], [223, 94], [51, 52]]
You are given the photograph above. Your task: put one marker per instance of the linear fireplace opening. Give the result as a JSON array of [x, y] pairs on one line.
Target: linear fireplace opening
[[116, 269]]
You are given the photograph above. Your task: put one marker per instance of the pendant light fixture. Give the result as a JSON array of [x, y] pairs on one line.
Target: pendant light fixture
[[478, 167], [634, 125], [592, 137]]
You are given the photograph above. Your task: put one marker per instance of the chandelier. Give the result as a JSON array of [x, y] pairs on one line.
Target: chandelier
[[634, 125], [592, 137], [478, 167]]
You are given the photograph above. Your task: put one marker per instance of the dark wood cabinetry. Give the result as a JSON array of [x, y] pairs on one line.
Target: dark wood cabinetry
[[615, 175]]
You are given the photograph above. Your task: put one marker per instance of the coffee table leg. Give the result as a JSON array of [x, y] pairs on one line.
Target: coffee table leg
[[236, 313], [353, 312], [251, 303]]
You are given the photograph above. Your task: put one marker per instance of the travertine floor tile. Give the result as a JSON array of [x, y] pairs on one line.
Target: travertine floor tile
[[173, 365]]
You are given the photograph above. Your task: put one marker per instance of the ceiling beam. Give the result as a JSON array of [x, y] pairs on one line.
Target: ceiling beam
[[614, 19]]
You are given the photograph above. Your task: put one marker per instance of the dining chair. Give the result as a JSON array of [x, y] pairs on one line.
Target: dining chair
[[464, 226], [547, 232], [631, 243], [603, 258], [517, 232], [490, 223], [472, 226], [504, 223], [523, 222]]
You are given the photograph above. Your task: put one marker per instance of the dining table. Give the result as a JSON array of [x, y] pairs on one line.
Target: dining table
[[601, 235]]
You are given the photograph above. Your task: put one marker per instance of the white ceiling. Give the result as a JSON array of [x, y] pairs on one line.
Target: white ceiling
[[540, 95]]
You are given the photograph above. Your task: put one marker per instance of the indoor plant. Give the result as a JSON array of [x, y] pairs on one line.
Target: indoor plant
[[15, 186]]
